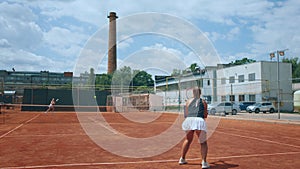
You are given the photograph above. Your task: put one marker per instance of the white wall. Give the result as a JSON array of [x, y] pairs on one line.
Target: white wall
[[156, 102]]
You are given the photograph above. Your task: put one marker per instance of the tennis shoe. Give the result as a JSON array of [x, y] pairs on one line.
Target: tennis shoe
[[182, 161], [205, 164]]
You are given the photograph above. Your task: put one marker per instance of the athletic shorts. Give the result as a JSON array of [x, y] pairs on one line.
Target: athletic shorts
[[194, 123]]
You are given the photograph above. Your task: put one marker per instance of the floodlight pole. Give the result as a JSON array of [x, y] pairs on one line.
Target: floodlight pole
[[278, 52], [179, 94], [278, 86]]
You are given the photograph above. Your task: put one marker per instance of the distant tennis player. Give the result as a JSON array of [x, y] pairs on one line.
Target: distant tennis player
[[196, 112], [51, 105]]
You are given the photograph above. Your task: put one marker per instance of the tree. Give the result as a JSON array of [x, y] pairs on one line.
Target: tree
[[91, 79], [194, 67], [142, 81], [122, 76], [142, 78], [103, 81], [242, 61], [295, 68], [127, 80]]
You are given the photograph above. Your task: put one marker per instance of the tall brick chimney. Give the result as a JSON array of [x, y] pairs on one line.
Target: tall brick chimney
[[112, 46]]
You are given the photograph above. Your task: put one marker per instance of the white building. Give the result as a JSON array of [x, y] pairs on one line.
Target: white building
[[256, 82], [176, 90], [249, 82]]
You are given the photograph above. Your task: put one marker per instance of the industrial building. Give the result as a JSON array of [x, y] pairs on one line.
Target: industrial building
[[13, 83]]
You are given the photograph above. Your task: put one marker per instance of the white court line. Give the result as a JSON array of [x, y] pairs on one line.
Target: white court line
[[91, 164], [147, 162], [103, 125], [54, 135], [5, 134], [264, 140], [11, 130], [47, 135], [249, 155], [254, 132]]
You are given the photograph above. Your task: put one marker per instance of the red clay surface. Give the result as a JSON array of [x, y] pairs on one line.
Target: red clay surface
[[57, 140]]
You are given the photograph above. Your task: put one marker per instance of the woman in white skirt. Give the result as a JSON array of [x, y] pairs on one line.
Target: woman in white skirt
[[195, 113], [51, 106]]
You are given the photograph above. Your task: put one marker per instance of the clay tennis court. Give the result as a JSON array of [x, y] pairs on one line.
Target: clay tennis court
[[57, 140]]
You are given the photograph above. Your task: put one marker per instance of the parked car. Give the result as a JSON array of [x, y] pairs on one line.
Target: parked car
[[244, 105], [223, 107], [261, 107]]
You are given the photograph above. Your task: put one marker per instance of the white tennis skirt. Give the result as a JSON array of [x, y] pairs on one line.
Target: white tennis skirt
[[194, 123]]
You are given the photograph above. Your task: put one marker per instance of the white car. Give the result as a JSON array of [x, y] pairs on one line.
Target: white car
[[223, 107], [261, 107]]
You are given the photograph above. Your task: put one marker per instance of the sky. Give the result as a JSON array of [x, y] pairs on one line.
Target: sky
[[156, 36]]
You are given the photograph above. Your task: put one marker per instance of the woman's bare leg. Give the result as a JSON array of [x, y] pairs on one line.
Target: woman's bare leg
[[187, 142], [203, 142]]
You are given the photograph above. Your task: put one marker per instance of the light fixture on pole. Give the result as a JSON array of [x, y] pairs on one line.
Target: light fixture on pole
[[272, 55]]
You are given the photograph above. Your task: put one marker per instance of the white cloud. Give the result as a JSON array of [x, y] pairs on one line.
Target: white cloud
[[278, 30], [215, 36], [229, 36], [125, 43], [162, 59], [85, 11], [23, 60], [4, 43], [233, 33], [228, 58], [153, 58], [18, 26], [32, 26], [64, 42]]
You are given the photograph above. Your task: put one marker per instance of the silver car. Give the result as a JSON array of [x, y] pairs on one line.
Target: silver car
[[261, 107], [223, 107]]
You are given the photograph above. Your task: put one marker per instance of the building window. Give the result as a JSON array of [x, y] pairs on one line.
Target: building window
[[251, 77], [241, 98], [223, 80], [208, 82], [223, 98], [252, 98], [241, 78], [231, 79], [10, 78], [232, 99]]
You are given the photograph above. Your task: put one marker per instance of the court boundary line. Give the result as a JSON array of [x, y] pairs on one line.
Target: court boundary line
[[254, 132], [259, 139], [251, 155], [45, 135], [12, 130], [148, 161], [263, 120], [103, 125]]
